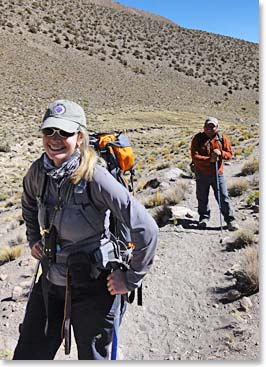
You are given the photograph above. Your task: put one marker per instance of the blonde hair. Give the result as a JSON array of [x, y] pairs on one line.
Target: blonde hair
[[88, 160]]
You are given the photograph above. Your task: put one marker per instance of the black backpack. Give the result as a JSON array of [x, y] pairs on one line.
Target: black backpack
[[221, 140]]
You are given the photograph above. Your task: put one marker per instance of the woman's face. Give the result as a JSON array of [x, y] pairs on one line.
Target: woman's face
[[59, 149]]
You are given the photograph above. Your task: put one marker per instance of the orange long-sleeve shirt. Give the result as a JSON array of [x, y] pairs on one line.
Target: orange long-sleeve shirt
[[201, 147]]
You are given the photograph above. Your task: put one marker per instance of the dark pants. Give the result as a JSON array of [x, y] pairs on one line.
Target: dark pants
[[203, 184], [92, 316]]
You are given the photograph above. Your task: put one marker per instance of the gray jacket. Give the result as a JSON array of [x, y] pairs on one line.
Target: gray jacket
[[85, 222]]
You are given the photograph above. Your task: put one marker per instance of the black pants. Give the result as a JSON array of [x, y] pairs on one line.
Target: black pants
[[92, 317]]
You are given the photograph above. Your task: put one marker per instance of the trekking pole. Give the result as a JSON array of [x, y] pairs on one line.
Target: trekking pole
[[115, 330], [219, 195]]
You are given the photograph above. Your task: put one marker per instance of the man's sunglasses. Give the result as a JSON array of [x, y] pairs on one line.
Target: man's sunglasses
[[49, 131]]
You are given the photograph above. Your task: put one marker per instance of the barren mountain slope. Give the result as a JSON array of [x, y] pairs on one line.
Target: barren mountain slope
[[110, 56]]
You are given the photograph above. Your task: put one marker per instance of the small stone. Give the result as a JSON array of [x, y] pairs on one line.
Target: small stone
[[245, 304], [17, 293], [3, 276]]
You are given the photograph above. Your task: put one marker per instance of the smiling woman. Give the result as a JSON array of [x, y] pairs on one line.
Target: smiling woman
[[66, 204]]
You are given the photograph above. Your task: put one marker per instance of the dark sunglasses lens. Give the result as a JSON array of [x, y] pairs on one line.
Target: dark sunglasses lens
[[65, 134], [48, 131]]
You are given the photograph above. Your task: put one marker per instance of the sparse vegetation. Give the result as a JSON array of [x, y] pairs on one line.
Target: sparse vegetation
[[175, 194], [243, 237], [252, 198], [237, 186], [5, 148], [250, 167], [9, 253], [162, 215], [156, 199], [247, 278]]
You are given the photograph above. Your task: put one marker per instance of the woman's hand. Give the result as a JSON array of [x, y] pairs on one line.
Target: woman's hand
[[36, 250], [116, 282]]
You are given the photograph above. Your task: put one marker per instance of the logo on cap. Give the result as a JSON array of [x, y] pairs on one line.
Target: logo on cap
[[59, 109]]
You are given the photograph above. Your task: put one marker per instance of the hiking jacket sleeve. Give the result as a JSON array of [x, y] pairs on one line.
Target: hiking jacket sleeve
[[107, 193], [226, 149], [29, 204]]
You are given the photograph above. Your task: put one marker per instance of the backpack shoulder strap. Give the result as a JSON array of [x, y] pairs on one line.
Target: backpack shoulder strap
[[41, 182], [220, 138]]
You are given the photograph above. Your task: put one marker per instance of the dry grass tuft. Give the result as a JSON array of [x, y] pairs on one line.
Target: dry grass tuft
[[8, 253], [237, 186], [162, 215], [243, 237], [247, 278], [172, 196], [250, 167], [162, 165], [156, 199], [176, 194]]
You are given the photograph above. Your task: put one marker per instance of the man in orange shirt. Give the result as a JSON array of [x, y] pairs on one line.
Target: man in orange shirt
[[207, 147]]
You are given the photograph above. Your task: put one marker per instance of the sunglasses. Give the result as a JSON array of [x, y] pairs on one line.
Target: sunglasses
[[49, 131]]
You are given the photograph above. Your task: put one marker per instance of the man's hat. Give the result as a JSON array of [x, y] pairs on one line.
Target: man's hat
[[65, 115], [211, 120]]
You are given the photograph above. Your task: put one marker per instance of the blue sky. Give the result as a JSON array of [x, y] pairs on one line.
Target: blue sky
[[234, 18]]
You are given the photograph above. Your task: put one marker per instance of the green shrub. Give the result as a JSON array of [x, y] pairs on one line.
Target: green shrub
[[252, 197]]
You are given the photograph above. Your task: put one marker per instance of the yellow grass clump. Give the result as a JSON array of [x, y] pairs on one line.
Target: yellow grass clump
[[156, 199], [9, 253], [247, 278]]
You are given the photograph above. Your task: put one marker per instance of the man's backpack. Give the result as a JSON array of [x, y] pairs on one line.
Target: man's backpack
[[221, 140]]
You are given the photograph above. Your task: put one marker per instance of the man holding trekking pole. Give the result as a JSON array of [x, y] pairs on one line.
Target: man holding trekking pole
[[208, 150]]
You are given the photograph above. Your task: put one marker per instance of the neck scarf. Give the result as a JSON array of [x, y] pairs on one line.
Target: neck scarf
[[66, 168]]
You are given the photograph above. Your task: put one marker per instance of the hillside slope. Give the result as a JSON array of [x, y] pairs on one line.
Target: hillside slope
[[107, 56]]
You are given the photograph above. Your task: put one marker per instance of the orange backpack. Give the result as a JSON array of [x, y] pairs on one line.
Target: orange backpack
[[117, 151]]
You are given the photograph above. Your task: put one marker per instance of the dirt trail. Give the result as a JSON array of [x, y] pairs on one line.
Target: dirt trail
[[182, 318]]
